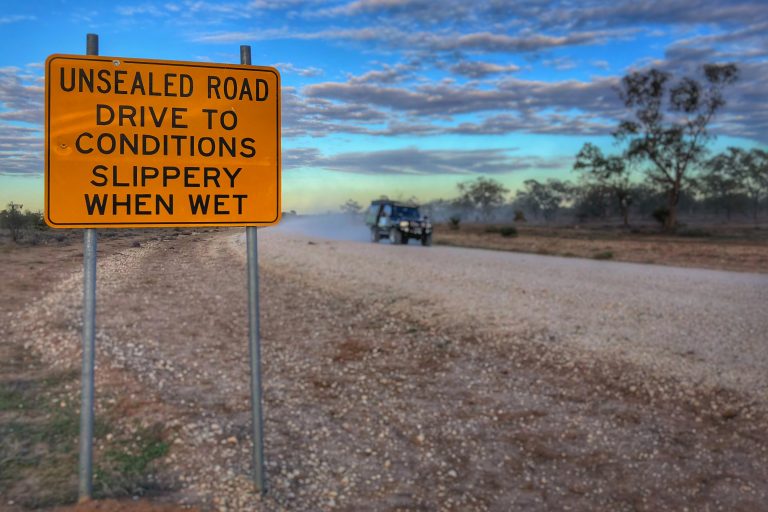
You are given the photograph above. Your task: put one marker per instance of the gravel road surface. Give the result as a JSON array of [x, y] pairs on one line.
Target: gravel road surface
[[410, 378], [708, 327]]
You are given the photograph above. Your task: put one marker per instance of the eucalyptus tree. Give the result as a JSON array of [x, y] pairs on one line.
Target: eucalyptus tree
[[610, 174], [544, 198], [483, 195], [738, 171], [668, 126]]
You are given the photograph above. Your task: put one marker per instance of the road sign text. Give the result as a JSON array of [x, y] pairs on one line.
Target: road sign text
[[154, 143]]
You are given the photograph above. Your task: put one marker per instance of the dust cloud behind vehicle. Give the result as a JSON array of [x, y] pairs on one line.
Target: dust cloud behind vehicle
[[333, 226]]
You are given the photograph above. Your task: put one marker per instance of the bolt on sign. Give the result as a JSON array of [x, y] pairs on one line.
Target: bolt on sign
[[150, 143]]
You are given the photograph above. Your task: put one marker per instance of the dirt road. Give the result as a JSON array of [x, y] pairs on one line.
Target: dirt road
[[401, 378], [702, 325]]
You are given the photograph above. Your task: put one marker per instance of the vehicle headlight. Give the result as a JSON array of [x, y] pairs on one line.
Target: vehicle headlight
[[403, 223]]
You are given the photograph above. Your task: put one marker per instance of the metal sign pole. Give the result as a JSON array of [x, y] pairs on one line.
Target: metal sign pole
[[85, 490], [254, 343]]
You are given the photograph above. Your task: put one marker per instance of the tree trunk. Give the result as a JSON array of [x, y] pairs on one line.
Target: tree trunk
[[672, 218], [756, 203], [624, 209], [673, 198]]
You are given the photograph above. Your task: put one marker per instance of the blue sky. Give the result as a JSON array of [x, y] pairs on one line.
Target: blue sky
[[402, 97]]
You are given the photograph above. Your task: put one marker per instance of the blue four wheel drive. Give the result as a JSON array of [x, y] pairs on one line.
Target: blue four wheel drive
[[397, 221]]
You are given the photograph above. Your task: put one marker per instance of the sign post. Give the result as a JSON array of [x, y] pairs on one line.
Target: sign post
[[85, 488], [151, 143], [254, 342]]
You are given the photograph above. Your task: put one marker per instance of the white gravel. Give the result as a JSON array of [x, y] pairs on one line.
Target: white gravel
[[700, 325], [411, 378]]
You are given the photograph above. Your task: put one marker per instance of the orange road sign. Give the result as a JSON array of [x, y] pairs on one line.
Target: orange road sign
[[149, 143]]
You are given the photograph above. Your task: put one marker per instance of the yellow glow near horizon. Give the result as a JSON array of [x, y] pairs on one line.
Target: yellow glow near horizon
[[25, 190], [318, 191]]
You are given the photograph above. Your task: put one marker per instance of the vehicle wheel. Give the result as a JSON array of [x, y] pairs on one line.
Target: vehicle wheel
[[374, 235], [426, 240], [395, 236]]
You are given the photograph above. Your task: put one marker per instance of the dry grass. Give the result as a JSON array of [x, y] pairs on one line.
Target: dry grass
[[39, 405], [740, 248]]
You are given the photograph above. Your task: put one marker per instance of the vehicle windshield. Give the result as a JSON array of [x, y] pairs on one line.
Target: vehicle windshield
[[406, 213]]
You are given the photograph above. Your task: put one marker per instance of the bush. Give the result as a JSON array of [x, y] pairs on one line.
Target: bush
[[492, 229], [508, 231], [520, 216], [661, 215], [694, 233], [605, 255], [455, 220], [12, 220], [18, 224]]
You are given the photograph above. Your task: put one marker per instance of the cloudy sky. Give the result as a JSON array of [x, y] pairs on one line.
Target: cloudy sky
[[402, 97]]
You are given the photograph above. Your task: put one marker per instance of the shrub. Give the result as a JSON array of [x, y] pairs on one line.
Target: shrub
[[508, 231], [661, 215], [492, 229], [605, 255], [520, 216], [455, 220], [694, 233], [12, 220], [18, 223]]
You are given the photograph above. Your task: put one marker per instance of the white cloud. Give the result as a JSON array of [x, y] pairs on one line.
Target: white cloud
[[414, 161], [287, 67], [7, 19], [476, 69]]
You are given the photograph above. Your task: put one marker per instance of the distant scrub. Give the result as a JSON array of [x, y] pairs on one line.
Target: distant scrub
[[694, 233], [661, 215], [508, 231], [21, 224]]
